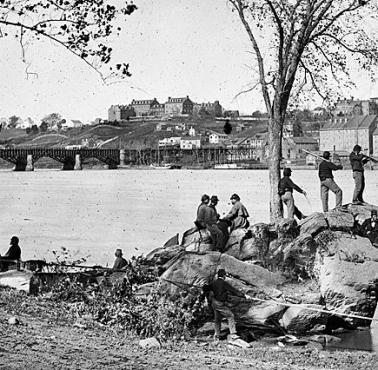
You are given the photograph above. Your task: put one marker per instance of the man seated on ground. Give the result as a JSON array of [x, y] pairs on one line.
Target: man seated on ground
[[219, 295], [369, 228], [238, 214], [119, 262], [13, 254]]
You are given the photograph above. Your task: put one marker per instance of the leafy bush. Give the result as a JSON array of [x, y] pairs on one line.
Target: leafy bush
[[113, 300]]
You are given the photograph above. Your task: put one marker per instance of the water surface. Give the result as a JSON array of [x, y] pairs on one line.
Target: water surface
[[93, 212]]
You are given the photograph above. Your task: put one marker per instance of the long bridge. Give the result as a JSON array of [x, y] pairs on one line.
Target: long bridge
[[72, 159]]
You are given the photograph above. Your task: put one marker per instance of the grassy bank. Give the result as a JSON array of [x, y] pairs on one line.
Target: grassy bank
[[51, 336]]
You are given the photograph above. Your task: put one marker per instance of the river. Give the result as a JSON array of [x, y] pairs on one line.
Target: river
[[93, 212]]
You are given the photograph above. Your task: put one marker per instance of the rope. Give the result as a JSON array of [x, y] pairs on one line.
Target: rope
[[316, 309], [285, 304]]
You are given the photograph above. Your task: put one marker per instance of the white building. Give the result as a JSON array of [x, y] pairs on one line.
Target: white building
[[192, 131], [343, 133], [170, 141], [216, 137], [190, 142], [375, 142]]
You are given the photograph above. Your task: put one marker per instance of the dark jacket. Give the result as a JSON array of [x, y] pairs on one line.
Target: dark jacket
[[213, 216], [222, 288], [286, 184], [14, 253], [326, 168], [203, 214], [357, 161], [370, 230], [119, 263]]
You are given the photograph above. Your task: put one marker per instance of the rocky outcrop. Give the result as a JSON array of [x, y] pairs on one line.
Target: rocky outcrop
[[302, 318], [313, 224], [346, 266], [251, 244], [195, 240], [321, 249]]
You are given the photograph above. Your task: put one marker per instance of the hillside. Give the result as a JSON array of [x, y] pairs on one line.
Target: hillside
[[133, 134]]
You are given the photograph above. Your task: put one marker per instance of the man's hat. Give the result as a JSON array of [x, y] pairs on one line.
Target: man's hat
[[221, 272], [357, 148], [326, 154], [235, 196], [214, 198], [374, 212], [287, 171], [204, 198]]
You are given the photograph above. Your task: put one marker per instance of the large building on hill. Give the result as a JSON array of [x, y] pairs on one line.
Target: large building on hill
[[343, 132], [178, 106], [120, 113], [351, 107], [143, 107], [208, 109]]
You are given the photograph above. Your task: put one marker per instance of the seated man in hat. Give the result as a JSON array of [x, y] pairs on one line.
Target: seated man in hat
[[13, 254], [238, 214], [119, 262], [369, 228], [211, 221]]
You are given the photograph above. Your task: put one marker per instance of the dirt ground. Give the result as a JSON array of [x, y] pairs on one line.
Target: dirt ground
[[40, 343]]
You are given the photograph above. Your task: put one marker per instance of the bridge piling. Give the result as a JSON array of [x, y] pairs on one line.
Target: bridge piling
[[122, 157], [78, 166], [29, 163]]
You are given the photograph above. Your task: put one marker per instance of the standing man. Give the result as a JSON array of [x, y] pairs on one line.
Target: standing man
[[327, 182], [285, 191], [357, 161], [238, 214], [220, 290]]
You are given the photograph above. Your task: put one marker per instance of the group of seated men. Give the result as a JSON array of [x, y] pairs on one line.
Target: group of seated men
[[208, 218]]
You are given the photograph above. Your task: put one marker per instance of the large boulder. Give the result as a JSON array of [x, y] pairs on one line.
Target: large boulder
[[161, 255], [249, 244], [313, 224], [361, 212], [302, 318], [195, 270], [195, 240], [299, 255], [346, 266], [338, 220]]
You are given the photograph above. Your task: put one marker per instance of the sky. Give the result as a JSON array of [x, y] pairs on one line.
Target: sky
[[175, 48]]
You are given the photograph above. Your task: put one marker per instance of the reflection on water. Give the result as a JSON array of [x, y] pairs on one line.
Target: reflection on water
[[357, 340]]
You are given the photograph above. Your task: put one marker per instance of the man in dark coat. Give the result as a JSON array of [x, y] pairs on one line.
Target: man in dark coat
[[285, 191], [13, 254], [119, 262], [238, 214], [202, 212], [219, 296], [357, 161], [369, 228], [327, 182], [211, 221]]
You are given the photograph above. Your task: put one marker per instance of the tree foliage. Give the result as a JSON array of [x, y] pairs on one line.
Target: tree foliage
[[82, 27], [13, 121], [304, 45]]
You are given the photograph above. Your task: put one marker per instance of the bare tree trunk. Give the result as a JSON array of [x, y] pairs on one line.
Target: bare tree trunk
[[275, 150]]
